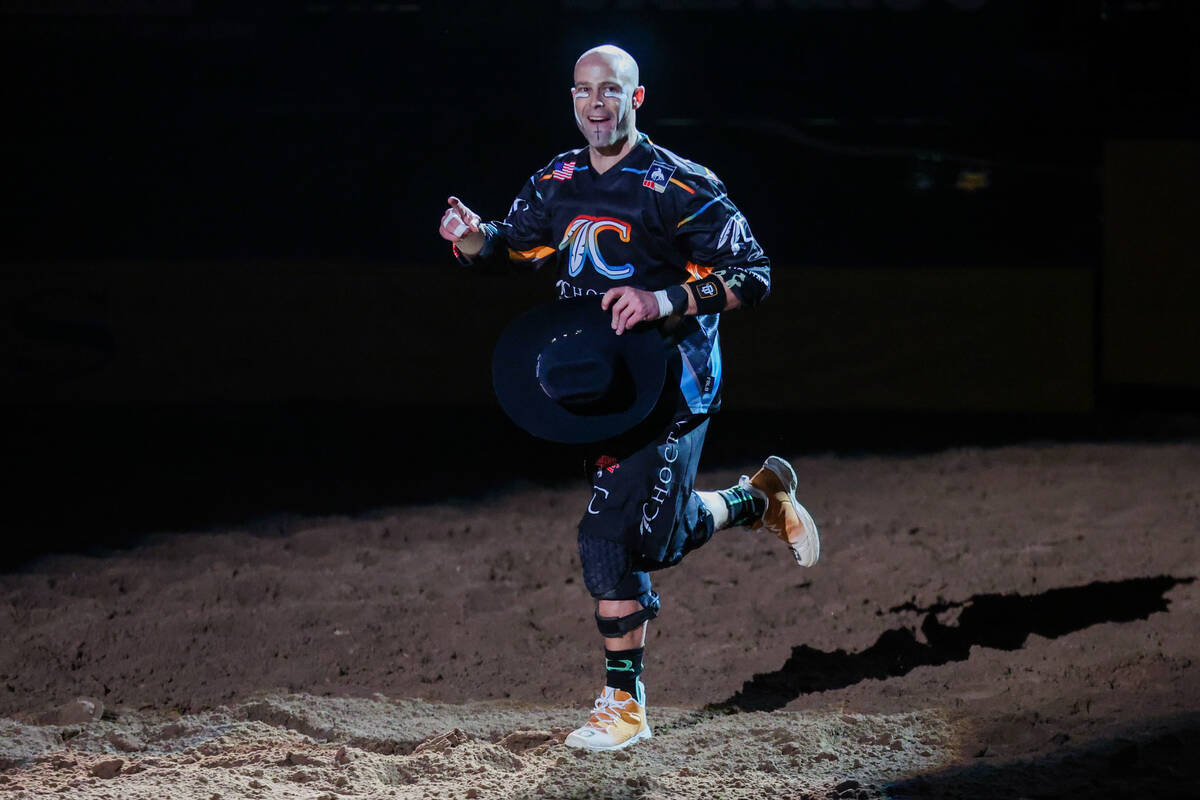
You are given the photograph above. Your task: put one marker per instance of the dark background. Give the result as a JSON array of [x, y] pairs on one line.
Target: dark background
[[223, 297]]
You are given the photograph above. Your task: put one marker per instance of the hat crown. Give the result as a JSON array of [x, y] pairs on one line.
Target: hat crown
[[561, 372], [573, 382], [584, 375]]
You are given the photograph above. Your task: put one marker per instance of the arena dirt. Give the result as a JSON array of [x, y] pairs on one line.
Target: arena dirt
[[1007, 622]]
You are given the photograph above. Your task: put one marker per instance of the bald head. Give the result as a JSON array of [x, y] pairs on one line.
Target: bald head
[[607, 95], [617, 60]]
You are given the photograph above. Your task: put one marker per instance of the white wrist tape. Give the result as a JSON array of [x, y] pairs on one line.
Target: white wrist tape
[[664, 305]]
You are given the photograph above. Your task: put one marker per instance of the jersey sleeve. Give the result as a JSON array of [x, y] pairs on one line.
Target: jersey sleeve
[[716, 239], [524, 235]]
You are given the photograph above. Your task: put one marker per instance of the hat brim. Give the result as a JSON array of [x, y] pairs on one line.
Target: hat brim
[[514, 370]]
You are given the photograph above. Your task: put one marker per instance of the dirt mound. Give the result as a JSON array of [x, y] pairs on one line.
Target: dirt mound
[[983, 622], [303, 747]]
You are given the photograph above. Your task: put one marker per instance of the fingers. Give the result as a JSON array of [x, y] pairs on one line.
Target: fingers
[[469, 217], [452, 227], [458, 221], [618, 312], [622, 319], [611, 296], [627, 308]]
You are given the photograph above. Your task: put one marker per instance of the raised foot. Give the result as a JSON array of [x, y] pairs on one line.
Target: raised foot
[[785, 517]]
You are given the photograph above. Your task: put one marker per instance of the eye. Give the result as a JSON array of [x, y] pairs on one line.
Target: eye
[[617, 93], [580, 91]]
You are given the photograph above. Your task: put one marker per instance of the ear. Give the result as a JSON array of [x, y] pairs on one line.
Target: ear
[[639, 96]]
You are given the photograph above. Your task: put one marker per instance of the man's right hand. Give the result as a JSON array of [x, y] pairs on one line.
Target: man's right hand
[[460, 227]]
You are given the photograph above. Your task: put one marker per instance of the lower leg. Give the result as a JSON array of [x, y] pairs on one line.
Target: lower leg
[[618, 718], [738, 505], [623, 654], [620, 608]]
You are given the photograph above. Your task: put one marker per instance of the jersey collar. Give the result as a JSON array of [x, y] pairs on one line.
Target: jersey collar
[[640, 148]]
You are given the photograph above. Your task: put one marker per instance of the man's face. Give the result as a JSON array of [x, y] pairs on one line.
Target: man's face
[[605, 99]]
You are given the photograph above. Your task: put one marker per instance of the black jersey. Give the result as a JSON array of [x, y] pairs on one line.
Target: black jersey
[[651, 221]]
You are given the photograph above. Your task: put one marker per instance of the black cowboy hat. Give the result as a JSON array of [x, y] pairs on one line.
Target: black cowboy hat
[[563, 374]]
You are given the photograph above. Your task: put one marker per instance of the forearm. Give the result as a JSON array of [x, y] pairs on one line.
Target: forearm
[[478, 246], [731, 300], [471, 244], [631, 306], [710, 296]]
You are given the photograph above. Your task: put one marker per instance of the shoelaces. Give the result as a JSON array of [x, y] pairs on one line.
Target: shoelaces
[[605, 708]]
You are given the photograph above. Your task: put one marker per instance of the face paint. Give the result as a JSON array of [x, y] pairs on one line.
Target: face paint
[[600, 90], [607, 93]]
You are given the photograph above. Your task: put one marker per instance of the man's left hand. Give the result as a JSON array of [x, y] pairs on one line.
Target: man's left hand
[[629, 307]]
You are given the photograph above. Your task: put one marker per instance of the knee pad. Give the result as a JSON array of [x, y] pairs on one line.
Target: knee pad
[[610, 574], [616, 627], [607, 567], [633, 585]]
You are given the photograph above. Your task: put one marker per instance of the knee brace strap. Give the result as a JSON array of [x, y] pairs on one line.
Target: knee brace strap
[[616, 627]]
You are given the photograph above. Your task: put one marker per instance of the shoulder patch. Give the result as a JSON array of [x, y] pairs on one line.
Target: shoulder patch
[[658, 176], [563, 170]]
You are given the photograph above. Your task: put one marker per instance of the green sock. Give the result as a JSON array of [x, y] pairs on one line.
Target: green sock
[[622, 668], [744, 506]]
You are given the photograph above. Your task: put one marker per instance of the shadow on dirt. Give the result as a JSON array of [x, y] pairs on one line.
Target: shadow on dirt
[[999, 621], [1158, 763]]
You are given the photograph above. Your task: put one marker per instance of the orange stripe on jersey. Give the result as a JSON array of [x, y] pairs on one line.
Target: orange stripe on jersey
[[683, 186], [531, 254], [697, 272], [546, 177]]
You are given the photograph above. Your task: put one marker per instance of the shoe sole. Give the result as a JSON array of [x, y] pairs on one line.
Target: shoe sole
[[637, 737], [811, 540]]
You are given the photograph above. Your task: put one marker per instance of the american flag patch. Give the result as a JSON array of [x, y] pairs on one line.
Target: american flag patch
[[563, 170]]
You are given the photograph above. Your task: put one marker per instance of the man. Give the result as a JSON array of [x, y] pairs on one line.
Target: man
[[654, 237]]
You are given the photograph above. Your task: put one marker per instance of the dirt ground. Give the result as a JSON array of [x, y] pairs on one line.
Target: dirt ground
[[1018, 621]]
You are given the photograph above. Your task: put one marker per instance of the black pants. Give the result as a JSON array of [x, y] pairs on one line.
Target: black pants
[[643, 514]]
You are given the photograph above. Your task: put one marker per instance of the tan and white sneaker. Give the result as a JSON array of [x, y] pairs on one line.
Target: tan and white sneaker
[[618, 720], [784, 517]]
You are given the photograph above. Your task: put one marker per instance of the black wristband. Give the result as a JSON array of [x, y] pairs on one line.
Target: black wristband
[[678, 297], [709, 294]]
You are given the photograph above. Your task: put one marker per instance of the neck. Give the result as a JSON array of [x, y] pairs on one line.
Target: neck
[[604, 157]]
